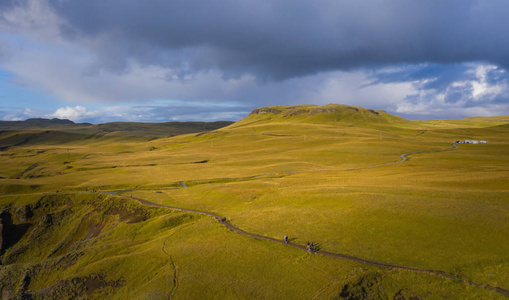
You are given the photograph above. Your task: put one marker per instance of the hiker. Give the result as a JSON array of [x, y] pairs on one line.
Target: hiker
[[286, 239]]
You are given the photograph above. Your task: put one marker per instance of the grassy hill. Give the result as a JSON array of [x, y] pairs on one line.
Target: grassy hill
[[56, 131], [327, 114], [321, 174]]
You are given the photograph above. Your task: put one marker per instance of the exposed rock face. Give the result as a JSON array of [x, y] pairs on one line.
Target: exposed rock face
[[321, 110], [24, 213], [265, 110], [294, 110]]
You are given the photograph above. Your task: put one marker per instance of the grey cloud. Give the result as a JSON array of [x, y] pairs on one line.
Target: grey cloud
[[285, 39]]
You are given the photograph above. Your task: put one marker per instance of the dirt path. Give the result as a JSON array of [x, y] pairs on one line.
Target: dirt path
[[231, 227], [234, 229]]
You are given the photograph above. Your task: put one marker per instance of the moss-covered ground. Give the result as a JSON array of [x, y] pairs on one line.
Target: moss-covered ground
[[282, 171]]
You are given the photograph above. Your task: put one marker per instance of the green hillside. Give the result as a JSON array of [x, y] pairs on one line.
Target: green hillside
[[431, 224], [327, 114], [56, 131]]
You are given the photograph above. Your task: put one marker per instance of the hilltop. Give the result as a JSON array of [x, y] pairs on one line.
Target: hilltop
[[326, 114]]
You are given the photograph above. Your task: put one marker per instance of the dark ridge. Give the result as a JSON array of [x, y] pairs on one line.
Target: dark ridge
[[41, 123], [52, 121], [38, 123]]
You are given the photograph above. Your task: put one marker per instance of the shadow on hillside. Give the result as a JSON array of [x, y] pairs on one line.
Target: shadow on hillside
[[10, 233]]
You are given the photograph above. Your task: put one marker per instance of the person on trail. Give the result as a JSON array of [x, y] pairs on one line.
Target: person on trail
[[311, 247], [286, 239]]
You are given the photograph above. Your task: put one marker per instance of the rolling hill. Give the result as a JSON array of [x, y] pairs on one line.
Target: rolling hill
[[55, 131], [94, 211]]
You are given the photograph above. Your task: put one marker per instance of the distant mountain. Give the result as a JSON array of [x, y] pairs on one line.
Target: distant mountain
[[38, 123], [131, 128], [57, 131]]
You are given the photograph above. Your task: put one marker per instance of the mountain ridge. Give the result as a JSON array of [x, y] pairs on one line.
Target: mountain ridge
[[326, 114]]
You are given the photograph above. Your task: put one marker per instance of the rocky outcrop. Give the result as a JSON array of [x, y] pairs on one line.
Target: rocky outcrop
[[294, 110], [24, 213], [265, 110], [322, 110]]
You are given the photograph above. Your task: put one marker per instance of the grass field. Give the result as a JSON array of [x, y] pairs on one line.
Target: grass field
[[317, 174]]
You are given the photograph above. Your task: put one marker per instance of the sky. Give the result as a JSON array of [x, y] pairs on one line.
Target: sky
[[195, 60]]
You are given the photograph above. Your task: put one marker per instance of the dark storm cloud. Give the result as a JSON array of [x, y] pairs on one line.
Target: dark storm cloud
[[284, 39]]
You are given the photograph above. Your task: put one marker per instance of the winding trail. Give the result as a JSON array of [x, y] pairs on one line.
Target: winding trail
[[235, 229]]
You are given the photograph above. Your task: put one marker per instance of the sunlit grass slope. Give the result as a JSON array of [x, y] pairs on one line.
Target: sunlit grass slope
[[314, 173], [94, 246]]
